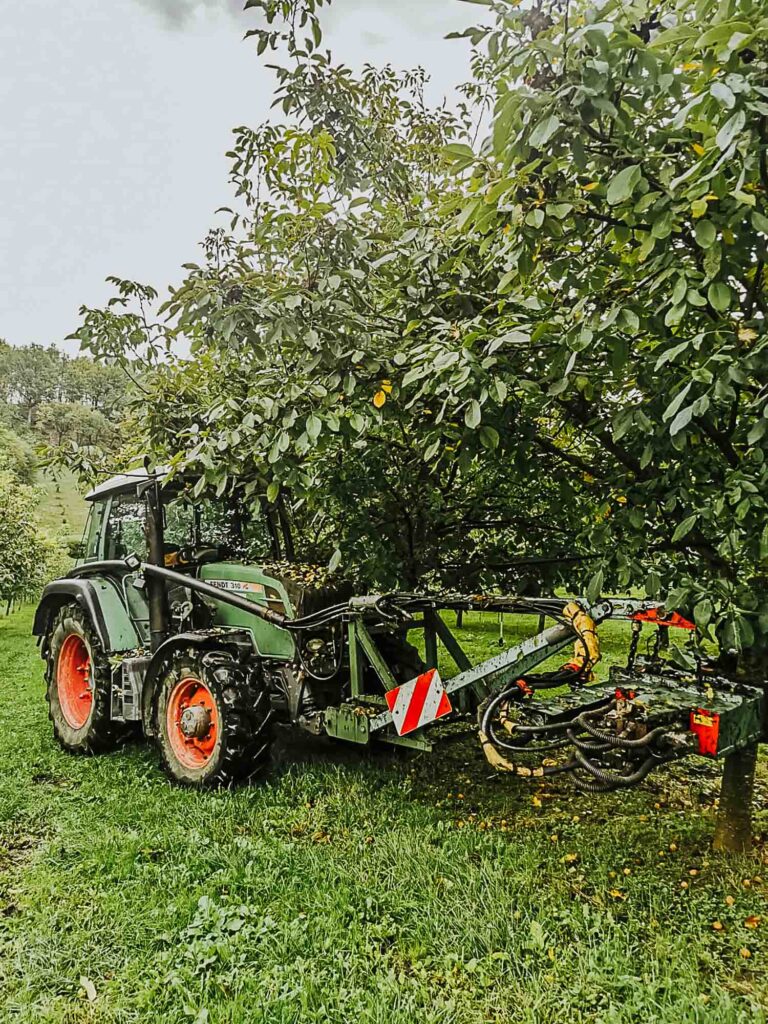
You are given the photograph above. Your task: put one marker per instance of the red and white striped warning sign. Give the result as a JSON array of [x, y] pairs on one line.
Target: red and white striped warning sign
[[419, 702]]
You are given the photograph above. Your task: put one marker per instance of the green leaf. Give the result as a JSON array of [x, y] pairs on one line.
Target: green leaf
[[473, 415], [719, 295], [674, 315], [679, 291], [682, 419], [705, 232], [681, 658], [662, 226], [764, 542], [702, 613], [629, 320], [745, 198], [499, 389], [757, 431], [489, 437], [595, 586], [637, 518], [712, 260], [466, 215], [314, 426], [544, 131], [559, 210], [623, 184], [730, 129], [684, 528], [535, 218], [671, 354], [459, 152], [335, 561], [722, 93], [558, 387], [676, 402], [653, 584], [272, 491], [506, 280], [721, 33]]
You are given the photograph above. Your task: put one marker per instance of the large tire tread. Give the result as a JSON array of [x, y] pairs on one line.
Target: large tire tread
[[99, 733], [245, 716]]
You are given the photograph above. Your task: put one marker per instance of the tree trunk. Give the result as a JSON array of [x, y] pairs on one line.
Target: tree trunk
[[733, 831], [287, 531]]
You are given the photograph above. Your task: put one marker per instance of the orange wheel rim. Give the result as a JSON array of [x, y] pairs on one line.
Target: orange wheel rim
[[73, 681], [192, 723]]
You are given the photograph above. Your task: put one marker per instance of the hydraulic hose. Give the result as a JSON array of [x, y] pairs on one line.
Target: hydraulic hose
[[513, 692], [612, 779], [618, 741], [527, 748], [586, 746]]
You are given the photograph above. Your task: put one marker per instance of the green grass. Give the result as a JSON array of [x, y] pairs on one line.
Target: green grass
[[63, 510], [359, 888]]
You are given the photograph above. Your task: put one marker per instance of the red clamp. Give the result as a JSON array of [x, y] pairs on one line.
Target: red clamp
[[523, 687], [674, 620]]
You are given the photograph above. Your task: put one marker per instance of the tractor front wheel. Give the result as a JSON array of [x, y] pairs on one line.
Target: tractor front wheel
[[212, 719], [78, 685]]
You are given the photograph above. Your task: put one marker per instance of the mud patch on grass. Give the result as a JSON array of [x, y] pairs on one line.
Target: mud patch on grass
[[19, 842], [55, 781]]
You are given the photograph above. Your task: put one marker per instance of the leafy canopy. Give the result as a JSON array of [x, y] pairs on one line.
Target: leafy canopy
[[622, 197], [432, 352]]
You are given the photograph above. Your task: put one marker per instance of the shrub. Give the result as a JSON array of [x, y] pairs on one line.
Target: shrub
[[27, 557]]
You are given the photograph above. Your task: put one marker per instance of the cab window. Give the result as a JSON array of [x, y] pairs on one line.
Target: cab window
[[207, 523], [179, 525], [93, 529], [127, 528]]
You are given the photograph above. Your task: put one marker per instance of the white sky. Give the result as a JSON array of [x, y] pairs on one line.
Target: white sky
[[114, 119]]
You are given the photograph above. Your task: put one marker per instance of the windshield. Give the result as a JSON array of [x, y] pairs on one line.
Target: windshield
[[203, 523]]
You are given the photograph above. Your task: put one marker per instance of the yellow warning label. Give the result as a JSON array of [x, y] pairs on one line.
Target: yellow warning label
[[703, 718]]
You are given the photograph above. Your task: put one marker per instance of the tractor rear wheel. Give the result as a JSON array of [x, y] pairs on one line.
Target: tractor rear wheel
[[78, 685], [212, 719]]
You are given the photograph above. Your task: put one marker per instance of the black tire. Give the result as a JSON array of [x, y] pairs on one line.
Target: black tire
[[97, 733], [240, 749]]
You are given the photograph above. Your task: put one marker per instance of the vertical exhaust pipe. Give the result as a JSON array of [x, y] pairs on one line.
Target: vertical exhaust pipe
[[159, 611]]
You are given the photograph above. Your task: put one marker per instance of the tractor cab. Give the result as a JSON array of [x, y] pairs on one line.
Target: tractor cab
[[151, 519], [194, 530]]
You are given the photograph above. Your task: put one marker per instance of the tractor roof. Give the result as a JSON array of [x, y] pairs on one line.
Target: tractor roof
[[124, 483]]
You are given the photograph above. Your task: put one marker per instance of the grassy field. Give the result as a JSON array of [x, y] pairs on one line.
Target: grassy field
[[360, 888], [62, 509]]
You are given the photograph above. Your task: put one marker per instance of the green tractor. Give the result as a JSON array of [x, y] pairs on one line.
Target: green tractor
[[183, 621], [195, 658]]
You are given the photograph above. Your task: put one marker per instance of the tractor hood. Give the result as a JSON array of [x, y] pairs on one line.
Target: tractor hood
[[286, 587]]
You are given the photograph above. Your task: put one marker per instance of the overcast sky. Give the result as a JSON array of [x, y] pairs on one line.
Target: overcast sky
[[114, 119]]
